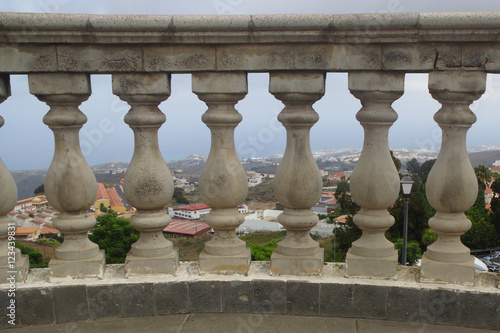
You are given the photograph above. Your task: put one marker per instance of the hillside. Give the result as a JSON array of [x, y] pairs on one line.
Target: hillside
[[484, 157]]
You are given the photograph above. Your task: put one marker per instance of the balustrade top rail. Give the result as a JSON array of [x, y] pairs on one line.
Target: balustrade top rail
[[416, 42]]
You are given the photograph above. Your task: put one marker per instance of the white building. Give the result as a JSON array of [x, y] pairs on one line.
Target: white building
[[194, 212]]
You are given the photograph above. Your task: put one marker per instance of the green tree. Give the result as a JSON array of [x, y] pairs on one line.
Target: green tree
[[482, 234], [263, 252], [495, 206], [413, 166], [425, 168], [179, 196], [103, 208], [115, 236], [35, 257], [40, 189], [483, 175], [343, 186], [419, 213], [413, 251], [429, 237]]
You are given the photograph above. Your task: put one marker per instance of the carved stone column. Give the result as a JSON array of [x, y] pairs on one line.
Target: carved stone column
[[12, 263], [375, 180], [223, 182], [452, 186], [298, 182], [70, 184], [148, 183]]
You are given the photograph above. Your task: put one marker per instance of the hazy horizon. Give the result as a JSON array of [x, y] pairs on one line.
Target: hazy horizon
[[259, 134]]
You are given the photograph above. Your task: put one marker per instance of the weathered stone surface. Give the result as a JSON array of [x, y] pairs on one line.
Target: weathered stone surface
[[312, 57], [298, 253], [233, 264], [204, 296], [369, 301], [90, 268], [76, 58], [336, 300], [171, 298], [223, 182], [104, 301], [282, 264], [237, 296], [373, 254], [137, 300], [269, 297], [179, 58], [60, 83], [302, 298], [4, 303], [403, 304], [35, 306], [440, 307], [70, 303], [27, 58], [421, 56], [478, 310], [137, 266]]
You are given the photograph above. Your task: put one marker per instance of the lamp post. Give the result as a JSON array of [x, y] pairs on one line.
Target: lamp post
[[406, 184]]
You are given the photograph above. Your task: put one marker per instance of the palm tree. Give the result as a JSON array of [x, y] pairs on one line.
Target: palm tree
[[483, 175]]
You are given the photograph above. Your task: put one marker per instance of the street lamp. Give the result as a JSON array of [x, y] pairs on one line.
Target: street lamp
[[406, 184]]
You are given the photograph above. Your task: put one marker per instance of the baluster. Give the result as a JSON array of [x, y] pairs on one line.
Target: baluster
[[12, 263], [70, 184], [452, 186], [148, 183], [375, 179], [223, 182], [298, 182]]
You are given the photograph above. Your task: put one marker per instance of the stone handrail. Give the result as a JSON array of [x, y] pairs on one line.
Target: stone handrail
[[59, 52]]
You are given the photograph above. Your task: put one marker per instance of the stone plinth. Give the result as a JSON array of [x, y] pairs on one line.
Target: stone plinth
[[79, 269], [371, 267], [139, 266], [297, 265], [216, 264], [447, 272]]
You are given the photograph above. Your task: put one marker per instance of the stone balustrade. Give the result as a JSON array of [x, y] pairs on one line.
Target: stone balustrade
[[60, 52]]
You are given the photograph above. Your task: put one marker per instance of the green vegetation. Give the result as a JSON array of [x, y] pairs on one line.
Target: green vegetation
[[413, 251], [36, 258], [47, 241], [40, 189], [115, 236], [179, 196], [262, 244], [262, 192]]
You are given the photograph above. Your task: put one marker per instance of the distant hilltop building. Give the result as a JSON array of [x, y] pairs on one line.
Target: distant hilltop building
[[37, 202], [196, 212]]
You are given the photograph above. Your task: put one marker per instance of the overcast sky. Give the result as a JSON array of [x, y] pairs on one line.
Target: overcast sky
[[28, 144]]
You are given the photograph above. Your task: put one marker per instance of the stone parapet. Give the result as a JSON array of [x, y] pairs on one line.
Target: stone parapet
[[329, 295]]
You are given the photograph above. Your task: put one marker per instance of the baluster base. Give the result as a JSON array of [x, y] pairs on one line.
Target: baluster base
[[78, 269], [447, 272], [385, 267], [163, 265], [19, 270], [227, 265], [297, 265]]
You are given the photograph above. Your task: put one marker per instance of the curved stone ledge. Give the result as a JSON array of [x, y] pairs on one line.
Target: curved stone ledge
[[39, 302]]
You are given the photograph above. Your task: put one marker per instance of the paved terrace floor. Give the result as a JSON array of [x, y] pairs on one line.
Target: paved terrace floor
[[243, 323]]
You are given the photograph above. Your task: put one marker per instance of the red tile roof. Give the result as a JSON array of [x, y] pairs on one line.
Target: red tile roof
[[192, 208], [183, 227], [109, 194]]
